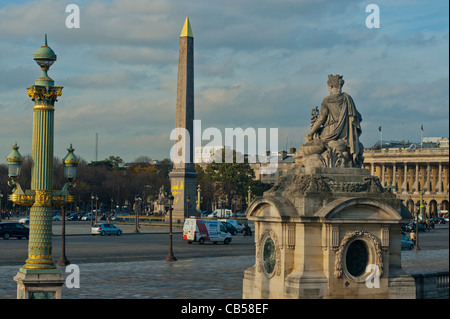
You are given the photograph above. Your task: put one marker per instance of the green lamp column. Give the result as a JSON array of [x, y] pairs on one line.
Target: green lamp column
[[44, 94]]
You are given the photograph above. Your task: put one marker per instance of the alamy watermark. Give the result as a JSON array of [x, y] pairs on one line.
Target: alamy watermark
[[73, 19], [73, 278], [373, 19], [256, 151], [373, 279]]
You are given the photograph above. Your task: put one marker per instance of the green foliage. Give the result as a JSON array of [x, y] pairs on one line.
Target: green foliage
[[228, 181], [112, 162]]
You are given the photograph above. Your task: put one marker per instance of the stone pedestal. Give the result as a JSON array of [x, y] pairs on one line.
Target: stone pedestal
[[328, 233], [39, 283], [183, 184]]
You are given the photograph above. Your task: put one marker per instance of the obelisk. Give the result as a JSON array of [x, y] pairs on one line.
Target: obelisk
[[183, 175]]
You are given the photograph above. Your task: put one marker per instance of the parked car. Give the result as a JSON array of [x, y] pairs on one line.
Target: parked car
[[236, 223], [74, 216], [230, 228], [406, 243], [87, 216], [13, 229], [56, 217], [105, 229], [25, 220]]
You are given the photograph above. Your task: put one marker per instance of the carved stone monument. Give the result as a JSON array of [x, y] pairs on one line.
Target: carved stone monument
[[183, 175], [333, 140], [329, 229]]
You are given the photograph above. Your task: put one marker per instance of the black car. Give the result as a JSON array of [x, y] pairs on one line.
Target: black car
[[74, 216], [13, 229], [231, 229]]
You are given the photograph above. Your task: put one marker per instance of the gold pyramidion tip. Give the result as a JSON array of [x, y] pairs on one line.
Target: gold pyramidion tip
[[187, 31]]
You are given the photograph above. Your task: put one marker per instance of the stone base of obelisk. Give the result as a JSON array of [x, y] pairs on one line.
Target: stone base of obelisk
[[183, 185], [39, 283]]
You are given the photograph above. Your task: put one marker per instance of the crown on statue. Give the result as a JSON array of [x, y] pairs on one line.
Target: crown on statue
[[335, 80]]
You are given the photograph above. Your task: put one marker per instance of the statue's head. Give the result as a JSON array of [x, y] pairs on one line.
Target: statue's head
[[335, 82]]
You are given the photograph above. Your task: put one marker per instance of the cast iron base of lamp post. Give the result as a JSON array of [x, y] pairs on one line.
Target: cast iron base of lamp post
[[63, 261], [170, 257]]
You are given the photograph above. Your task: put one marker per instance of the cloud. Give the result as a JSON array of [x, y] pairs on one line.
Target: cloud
[[117, 79], [258, 63], [136, 55]]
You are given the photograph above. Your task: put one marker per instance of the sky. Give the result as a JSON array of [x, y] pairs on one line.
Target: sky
[[258, 64]]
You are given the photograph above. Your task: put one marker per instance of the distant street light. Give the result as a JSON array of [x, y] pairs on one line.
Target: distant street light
[[70, 163], [170, 256]]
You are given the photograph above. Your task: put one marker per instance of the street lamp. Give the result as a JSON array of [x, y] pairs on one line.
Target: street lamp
[[137, 210], [39, 277], [234, 201], [70, 163], [96, 207], [188, 199], [15, 161], [170, 256], [92, 209], [199, 200], [420, 204], [1, 205]]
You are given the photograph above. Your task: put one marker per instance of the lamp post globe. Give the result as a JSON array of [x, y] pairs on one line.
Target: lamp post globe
[[45, 57], [70, 164], [15, 161]]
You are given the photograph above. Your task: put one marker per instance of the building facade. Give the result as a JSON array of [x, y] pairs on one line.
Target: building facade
[[408, 172]]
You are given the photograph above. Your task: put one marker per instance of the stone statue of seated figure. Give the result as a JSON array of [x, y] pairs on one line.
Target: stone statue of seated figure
[[333, 140]]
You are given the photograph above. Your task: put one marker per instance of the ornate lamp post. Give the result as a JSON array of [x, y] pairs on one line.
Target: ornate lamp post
[[39, 277], [70, 172], [234, 201], [170, 256], [92, 209], [188, 199], [137, 211], [420, 204], [1, 205], [199, 200]]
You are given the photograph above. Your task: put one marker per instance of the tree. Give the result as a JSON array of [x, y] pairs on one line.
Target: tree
[[227, 179], [112, 162]]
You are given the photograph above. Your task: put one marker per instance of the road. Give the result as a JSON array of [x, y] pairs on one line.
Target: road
[[154, 246], [128, 247]]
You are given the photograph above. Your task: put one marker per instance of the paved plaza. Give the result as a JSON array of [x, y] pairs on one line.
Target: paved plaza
[[196, 278]]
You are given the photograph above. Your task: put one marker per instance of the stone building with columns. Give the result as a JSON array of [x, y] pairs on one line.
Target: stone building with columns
[[408, 171]]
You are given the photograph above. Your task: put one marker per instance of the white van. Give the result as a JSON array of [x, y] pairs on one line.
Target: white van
[[221, 213], [237, 224], [203, 230]]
